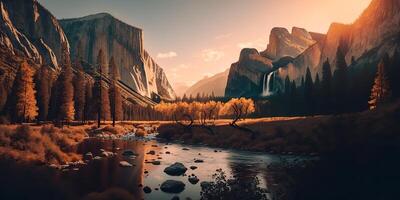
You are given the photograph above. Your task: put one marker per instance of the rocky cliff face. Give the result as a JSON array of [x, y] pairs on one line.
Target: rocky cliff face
[[28, 29], [282, 43], [215, 84], [247, 75], [374, 34], [139, 71]]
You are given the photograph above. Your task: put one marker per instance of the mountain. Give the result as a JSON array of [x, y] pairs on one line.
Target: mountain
[[29, 30], [215, 84], [87, 35], [372, 36], [246, 77]]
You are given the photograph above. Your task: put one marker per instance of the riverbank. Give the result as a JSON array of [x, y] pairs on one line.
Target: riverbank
[[47, 144], [300, 135]]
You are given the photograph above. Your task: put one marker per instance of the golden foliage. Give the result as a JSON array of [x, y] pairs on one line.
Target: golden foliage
[[26, 108]]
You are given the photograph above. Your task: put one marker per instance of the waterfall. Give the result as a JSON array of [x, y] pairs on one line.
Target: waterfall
[[266, 87]]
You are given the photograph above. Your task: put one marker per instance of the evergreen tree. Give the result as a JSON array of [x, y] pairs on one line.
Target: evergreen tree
[[287, 85], [100, 93], [326, 87], [340, 78], [79, 90], [317, 93], [380, 92], [293, 97], [66, 97], [184, 98], [25, 105], [308, 92], [88, 108], [43, 81], [115, 93]]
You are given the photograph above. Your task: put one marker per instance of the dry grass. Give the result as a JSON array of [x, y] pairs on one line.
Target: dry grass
[[45, 144]]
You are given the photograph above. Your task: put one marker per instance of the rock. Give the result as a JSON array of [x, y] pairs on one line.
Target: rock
[[193, 179], [146, 172], [151, 152], [193, 167], [205, 184], [88, 156], [156, 162], [97, 158], [185, 149], [167, 152], [156, 189], [129, 152], [146, 78], [198, 161], [175, 169], [102, 150], [106, 154], [54, 166], [215, 151], [147, 189], [125, 164], [175, 198], [154, 145], [172, 186]]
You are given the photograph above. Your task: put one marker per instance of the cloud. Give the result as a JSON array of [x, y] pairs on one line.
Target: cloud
[[223, 36], [170, 54], [211, 55], [259, 44]]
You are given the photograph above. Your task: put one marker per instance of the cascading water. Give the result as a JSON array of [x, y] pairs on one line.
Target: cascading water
[[266, 87]]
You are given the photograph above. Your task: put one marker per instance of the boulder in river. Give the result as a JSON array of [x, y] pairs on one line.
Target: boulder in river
[[198, 160], [172, 186], [193, 179], [152, 152], [156, 162], [185, 149], [175, 169], [125, 164], [175, 198], [167, 152], [129, 152], [205, 184], [193, 167], [147, 189], [88, 156]]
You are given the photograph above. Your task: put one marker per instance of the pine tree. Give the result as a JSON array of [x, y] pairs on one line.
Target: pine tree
[[340, 78], [326, 86], [115, 93], [88, 109], [66, 98], [184, 98], [380, 92], [308, 91], [43, 80], [100, 93], [79, 90], [25, 106], [287, 85]]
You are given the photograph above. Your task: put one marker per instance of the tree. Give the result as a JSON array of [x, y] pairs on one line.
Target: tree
[[66, 97], [88, 108], [25, 106], [43, 92], [100, 93], [340, 77], [115, 93], [79, 90], [326, 86], [380, 92], [308, 92], [238, 108]]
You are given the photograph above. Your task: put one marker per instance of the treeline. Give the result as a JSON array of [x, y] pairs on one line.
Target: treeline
[[346, 89], [72, 96]]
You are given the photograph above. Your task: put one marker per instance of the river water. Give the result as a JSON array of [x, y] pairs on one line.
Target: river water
[[102, 175]]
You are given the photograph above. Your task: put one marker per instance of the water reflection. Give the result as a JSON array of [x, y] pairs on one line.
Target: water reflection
[[105, 177]]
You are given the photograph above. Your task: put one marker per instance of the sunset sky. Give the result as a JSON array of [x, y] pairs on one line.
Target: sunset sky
[[191, 39]]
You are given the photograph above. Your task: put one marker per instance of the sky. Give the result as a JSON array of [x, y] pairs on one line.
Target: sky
[[192, 39]]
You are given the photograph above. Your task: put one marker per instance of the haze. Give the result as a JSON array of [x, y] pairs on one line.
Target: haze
[[191, 39]]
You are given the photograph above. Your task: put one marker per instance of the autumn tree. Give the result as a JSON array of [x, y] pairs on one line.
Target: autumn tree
[[43, 81], [380, 92], [88, 108], [115, 93], [79, 89], [239, 108], [66, 97], [25, 106], [100, 94]]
